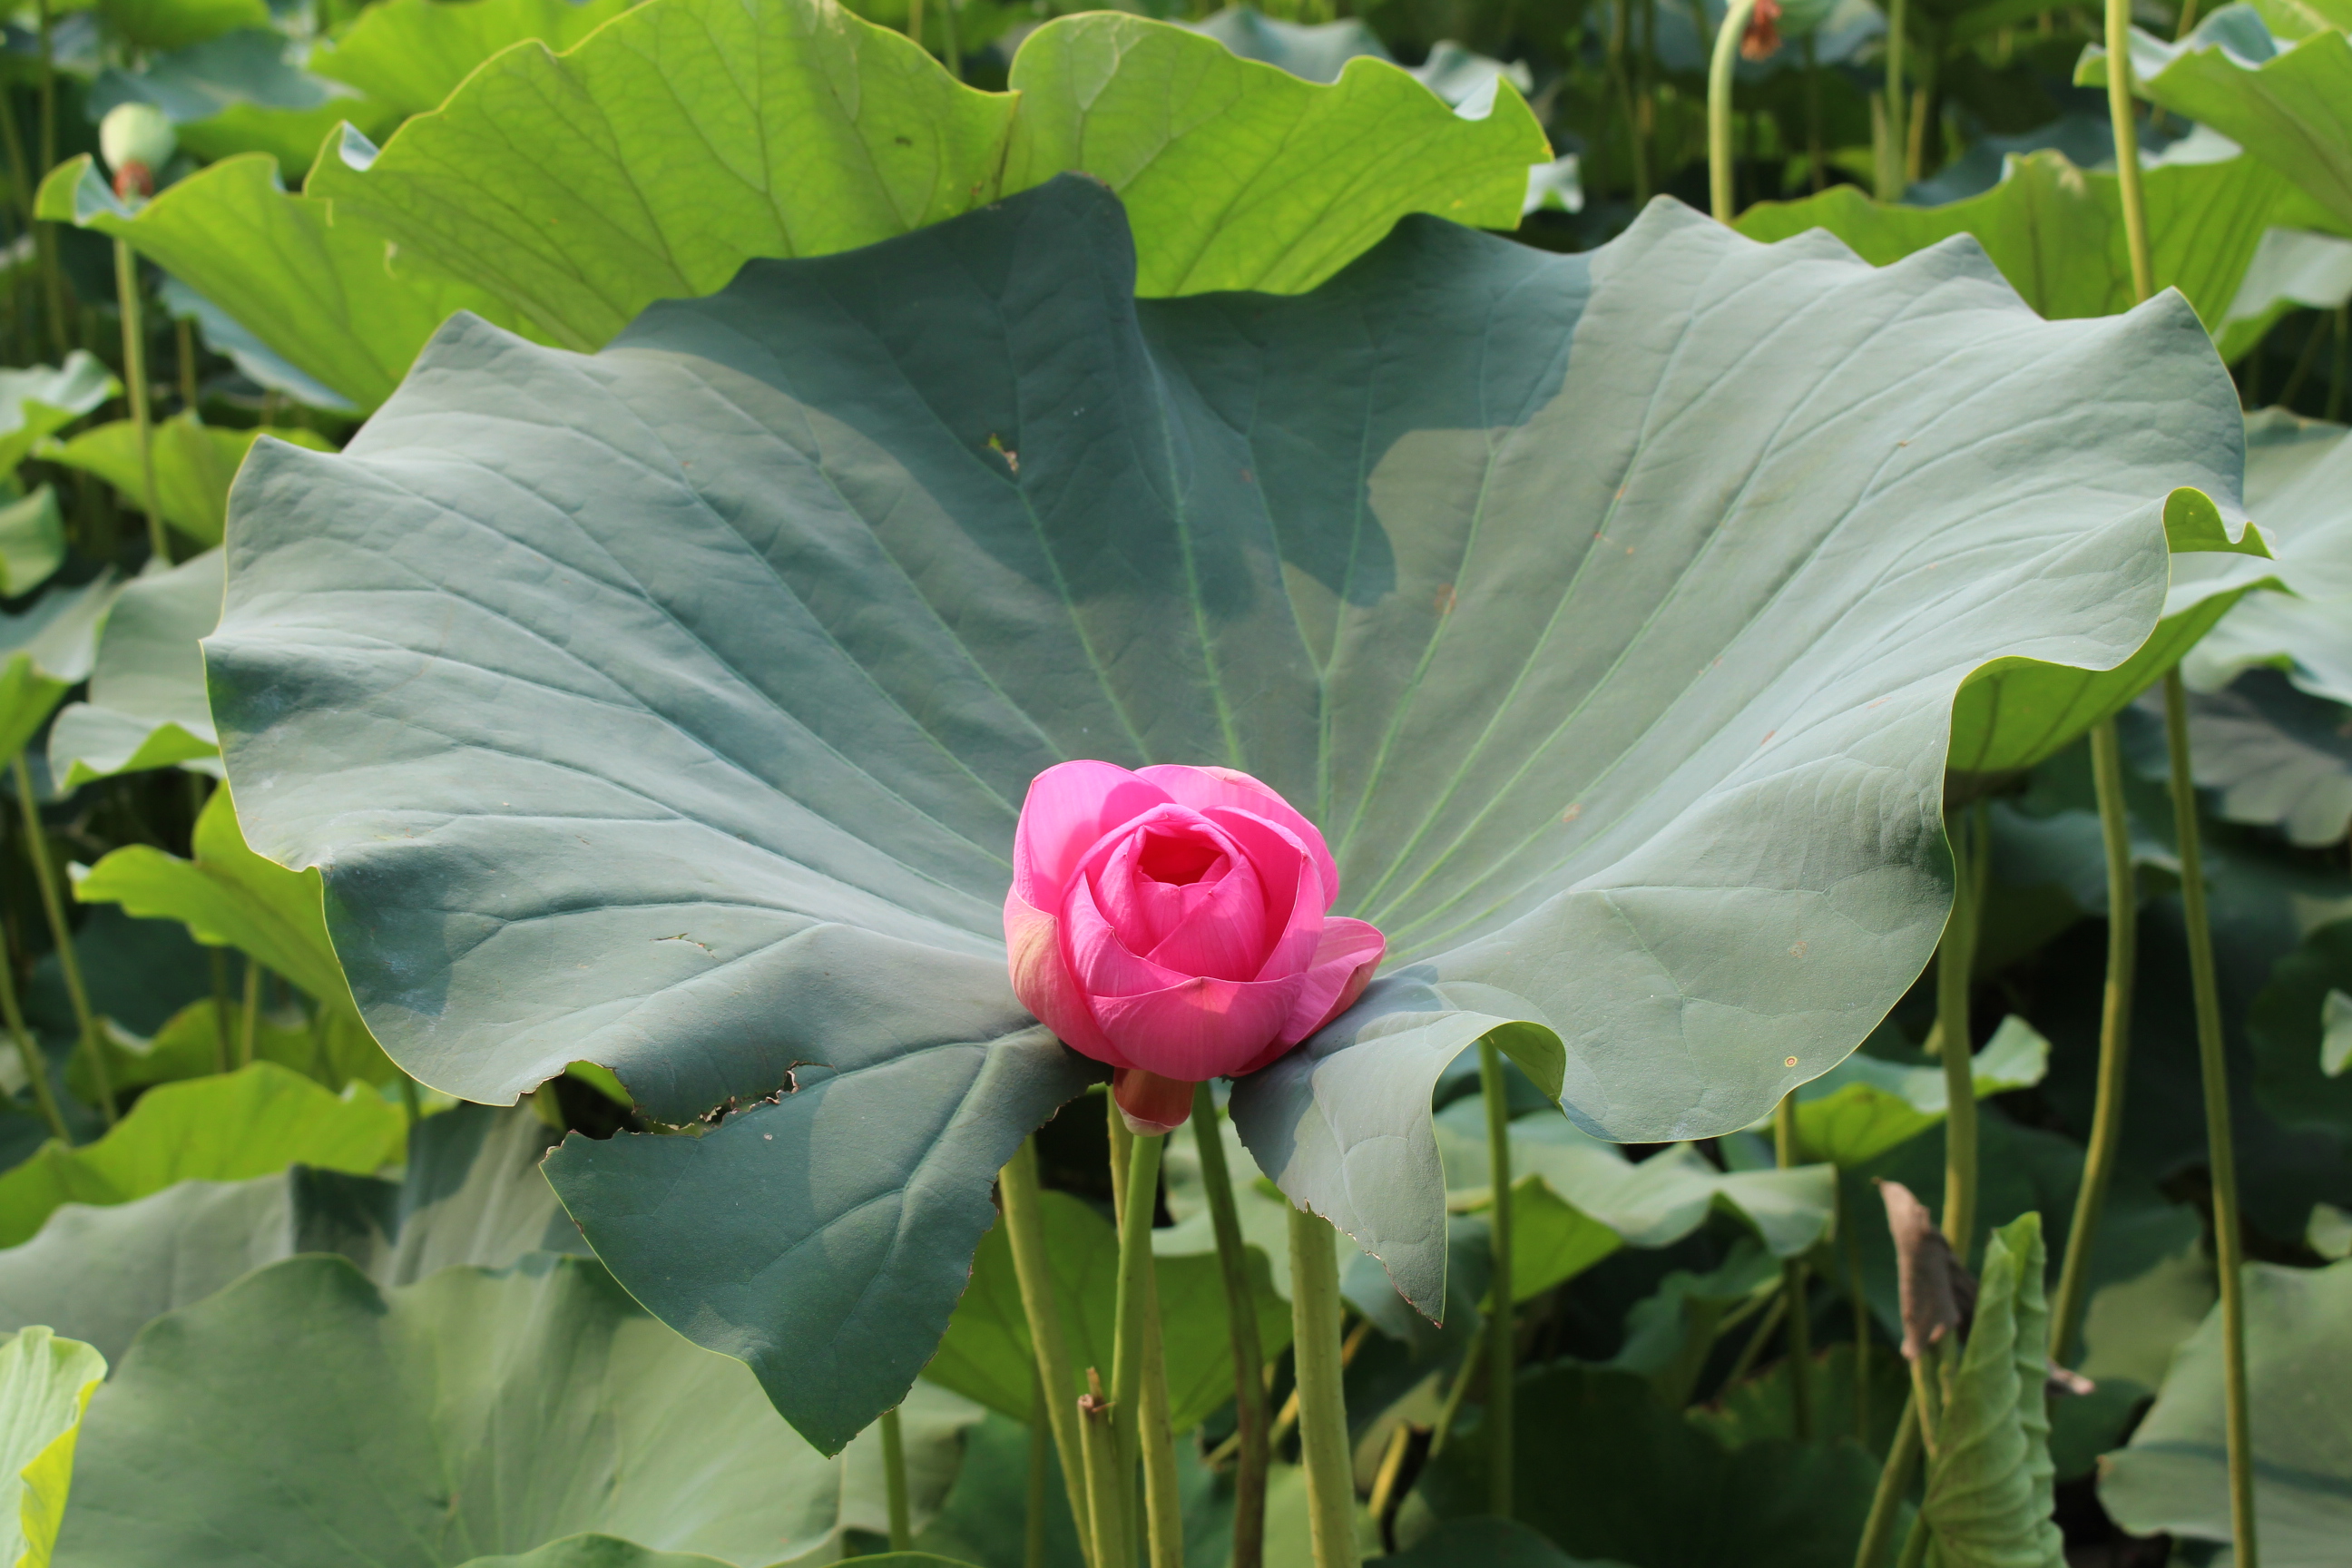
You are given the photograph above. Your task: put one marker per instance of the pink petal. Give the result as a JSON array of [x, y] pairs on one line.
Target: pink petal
[[1151, 1104], [1199, 1028], [1100, 962], [1222, 932], [1344, 961], [1295, 896], [1041, 979], [1202, 788], [1070, 807]]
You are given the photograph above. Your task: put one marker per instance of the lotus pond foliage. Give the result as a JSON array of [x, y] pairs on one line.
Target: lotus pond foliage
[[971, 782]]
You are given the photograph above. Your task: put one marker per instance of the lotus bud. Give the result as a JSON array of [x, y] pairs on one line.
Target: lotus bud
[[1762, 38], [136, 140]]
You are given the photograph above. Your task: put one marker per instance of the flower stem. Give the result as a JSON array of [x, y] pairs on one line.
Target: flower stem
[[2229, 1247], [1131, 1413], [1041, 1452], [894, 1482], [37, 1067], [2122, 117], [1954, 958], [1785, 1154], [1106, 1487], [1890, 161], [134, 381], [1025, 1227], [1502, 1338], [1241, 1316], [1850, 1247], [249, 1028], [36, 850], [1719, 108], [2115, 1044], [1322, 1399], [1894, 1480]]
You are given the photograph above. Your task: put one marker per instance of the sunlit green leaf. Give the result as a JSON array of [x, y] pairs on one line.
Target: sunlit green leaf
[[45, 652], [194, 465], [176, 24], [258, 1119], [410, 54], [32, 542], [472, 1413], [38, 401], [1866, 1105], [146, 706], [45, 1383]]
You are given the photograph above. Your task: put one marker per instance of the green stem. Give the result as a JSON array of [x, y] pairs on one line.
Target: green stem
[[1241, 1318], [894, 1482], [1792, 1287], [2122, 117], [1502, 1337], [1462, 1378], [1850, 1244], [1954, 960], [1322, 1399], [135, 378], [952, 37], [52, 275], [2229, 1245], [37, 1067], [1637, 145], [1041, 1452], [1765, 1326], [1816, 176], [1894, 1480], [249, 1025], [1719, 108], [1141, 1188], [1163, 1501], [36, 850], [1915, 1545], [1025, 1227], [410, 1101], [2115, 1044], [1890, 161], [1106, 1486]]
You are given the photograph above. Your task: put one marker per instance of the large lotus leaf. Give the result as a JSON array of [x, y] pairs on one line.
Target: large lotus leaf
[[470, 1194], [2174, 1476], [250, 66], [32, 542], [1990, 1485], [38, 401], [986, 1352], [331, 295], [2287, 1027], [1318, 51], [45, 652], [176, 24], [2275, 756], [146, 706], [2298, 476], [471, 1413], [410, 54], [227, 896], [2292, 269], [193, 466], [289, 137], [250, 1122], [669, 169], [701, 678], [2290, 107], [45, 1383], [1866, 1105]]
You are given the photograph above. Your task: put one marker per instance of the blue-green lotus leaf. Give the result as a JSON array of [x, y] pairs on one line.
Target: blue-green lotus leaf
[[671, 706]]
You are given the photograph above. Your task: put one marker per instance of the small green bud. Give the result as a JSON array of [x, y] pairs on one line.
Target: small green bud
[[136, 134]]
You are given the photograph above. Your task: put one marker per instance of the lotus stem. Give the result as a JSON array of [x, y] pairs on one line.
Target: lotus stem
[[1241, 1317], [248, 1023], [2115, 1043], [1637, 145], [37, 1067], [1719, 108], [1322, 1400], [1850, 1244], [45, 235], [1163, 1502], [1915, 1545], [36, 850], [1890, 155], [409, 1099], [1041, 1453], [1753, 1351], [894, 1482], [183, 342], [1471, 1354], [2229, 1245], [134, 379], [1502, 1338], [1894, 1479], [1130, 1412], [2121, 115], [1954, 960], [1025, 1227], [1107, 1486], [1785, 1154]]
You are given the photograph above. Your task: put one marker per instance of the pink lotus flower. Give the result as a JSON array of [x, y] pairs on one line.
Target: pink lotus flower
[[1172, 922]]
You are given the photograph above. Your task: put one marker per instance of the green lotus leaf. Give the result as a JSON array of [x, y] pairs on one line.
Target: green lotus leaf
[[2297, 473], [601, 1551], [32, 542], [1866, 1105], [411, 54], [986, 1352], [1485, 1543], [289, 138], [470, 1194], [702, 677], [2173, 1477], [163, 24], [47, 652], [1238, 175], [249, 1122], [1990, 1486], [227, 896], [2291, 269], [38, 401], [2274, 757], [473, 1414], [2289, 1028], [146, 706], [45, 1383], [2292, 107], [1316, 51], [193, 466]]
